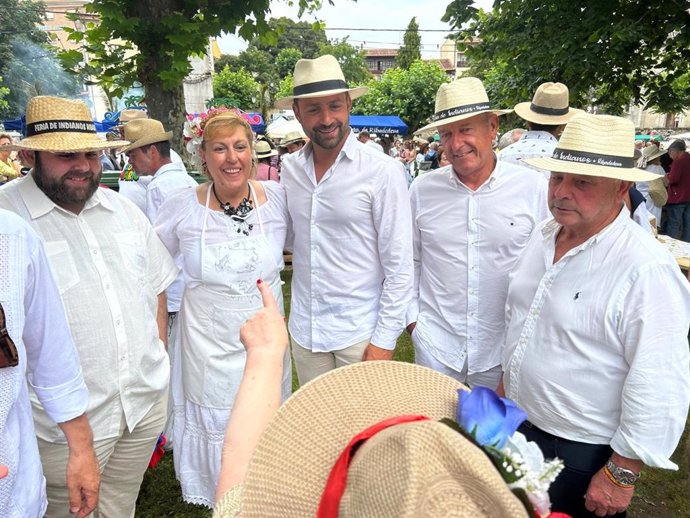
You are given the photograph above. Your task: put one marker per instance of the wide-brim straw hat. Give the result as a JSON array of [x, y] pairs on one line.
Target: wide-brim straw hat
[[652, 152], [57, 125], [318, 77], [264, 150], [144, 132], [458, 100], [131, 114], [291, 137], [549, 105], [596, 145], [295, 454]]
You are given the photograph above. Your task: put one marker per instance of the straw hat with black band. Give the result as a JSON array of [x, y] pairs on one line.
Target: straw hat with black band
[[144, 132], [596, 145], [318, 77], [549, 106], [59, 125], [417, 467], [459, 100]]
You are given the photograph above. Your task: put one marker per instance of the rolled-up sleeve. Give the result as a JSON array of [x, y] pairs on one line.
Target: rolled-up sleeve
[[53, 368]]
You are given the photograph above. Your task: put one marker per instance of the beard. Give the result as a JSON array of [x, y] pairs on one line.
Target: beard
[[57, 189], [329, 142]]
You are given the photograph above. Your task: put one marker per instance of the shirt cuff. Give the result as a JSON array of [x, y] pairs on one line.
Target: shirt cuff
[[635, 451], [385, 338], [66, 401]]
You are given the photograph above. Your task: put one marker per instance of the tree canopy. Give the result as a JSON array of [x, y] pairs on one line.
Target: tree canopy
[[351, 60], [151, 42], [303, 36], [607, 53], [412, 42], [409, 94], [240, 87], [27, 63]]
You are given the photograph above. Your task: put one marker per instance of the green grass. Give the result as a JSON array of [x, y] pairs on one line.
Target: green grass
[[659, 493]]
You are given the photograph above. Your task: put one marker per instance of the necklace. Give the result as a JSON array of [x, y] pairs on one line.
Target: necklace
[[237, 214]]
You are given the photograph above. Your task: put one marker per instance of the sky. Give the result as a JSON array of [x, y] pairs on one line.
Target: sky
[[353, 18]]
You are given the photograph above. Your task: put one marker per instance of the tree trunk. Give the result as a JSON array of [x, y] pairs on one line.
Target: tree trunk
[[167, 105]]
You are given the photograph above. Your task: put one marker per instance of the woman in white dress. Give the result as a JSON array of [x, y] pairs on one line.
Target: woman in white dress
[[230, 232]]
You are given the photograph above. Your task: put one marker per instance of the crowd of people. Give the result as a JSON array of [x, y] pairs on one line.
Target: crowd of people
[[529, 272]]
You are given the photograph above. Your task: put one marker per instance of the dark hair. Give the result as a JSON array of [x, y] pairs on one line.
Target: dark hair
[[163, 148], [534, 126], [677, 145]]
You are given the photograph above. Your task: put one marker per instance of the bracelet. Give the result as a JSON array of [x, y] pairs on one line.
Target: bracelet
[[614, 481]]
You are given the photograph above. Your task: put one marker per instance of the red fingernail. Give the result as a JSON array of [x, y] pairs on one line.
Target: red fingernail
[[259, 281]]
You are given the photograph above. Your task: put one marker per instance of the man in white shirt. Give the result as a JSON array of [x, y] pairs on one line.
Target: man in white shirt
[[470, 219], [352, 257], [365, 138], [599, 365], [149, 154], [546, 116], [112, 271], [41, 352]]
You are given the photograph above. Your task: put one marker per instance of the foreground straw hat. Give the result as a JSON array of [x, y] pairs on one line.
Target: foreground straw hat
[[458, 100], [144, 132], [58, 125], [409, 470], [596, 145], [318, 78], [549, 105], [292, 137], [264, 150]]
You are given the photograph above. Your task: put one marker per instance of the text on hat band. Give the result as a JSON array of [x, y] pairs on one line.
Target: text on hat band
[[582, 157], [460, 110], [543, 110], [57, 126], [319, 86]]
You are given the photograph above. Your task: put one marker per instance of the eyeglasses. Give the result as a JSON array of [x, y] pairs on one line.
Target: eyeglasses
[[8, 351]]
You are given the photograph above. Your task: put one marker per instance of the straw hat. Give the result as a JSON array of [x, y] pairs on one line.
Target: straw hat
[[263, 149], [649, 153], [292, 137], [58, 125], [318, 78], [596, 145], [549, 105], [458, 100], [131, 114], [144, 132], [405, 468]]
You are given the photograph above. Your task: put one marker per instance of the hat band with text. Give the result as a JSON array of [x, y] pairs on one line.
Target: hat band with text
[[459, 110], [543, 110], [319, 86], [582, 157], [59, 126]]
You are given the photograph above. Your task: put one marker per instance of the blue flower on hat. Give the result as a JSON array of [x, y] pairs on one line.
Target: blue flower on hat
[[490, 419]]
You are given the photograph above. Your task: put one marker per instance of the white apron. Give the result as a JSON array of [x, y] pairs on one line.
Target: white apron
[[210, 359]]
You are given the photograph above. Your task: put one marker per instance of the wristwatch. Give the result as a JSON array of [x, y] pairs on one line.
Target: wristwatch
[[623, 476]]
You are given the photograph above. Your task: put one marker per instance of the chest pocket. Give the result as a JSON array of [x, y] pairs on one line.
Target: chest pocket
[[133, 253], [64, 269]]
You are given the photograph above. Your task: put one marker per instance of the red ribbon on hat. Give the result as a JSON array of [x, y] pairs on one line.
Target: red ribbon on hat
[[337, 480]]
